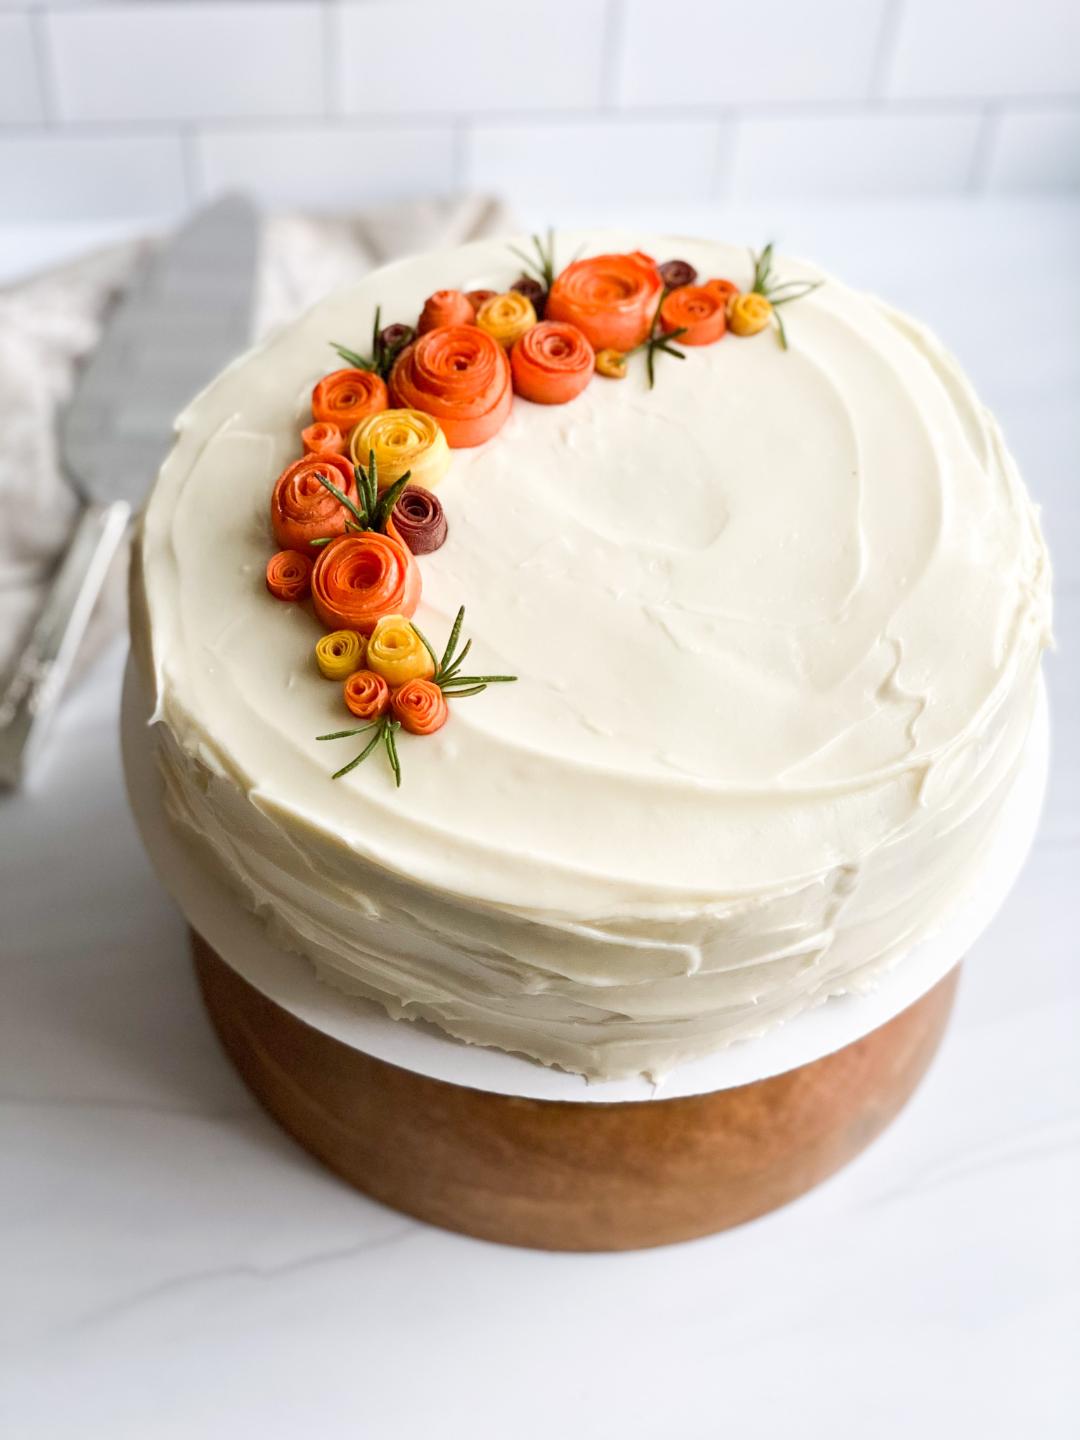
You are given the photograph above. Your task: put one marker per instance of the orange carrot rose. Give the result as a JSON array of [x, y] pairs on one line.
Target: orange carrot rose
[[323, 438], [420, 706], [360, 578], [445, 307], [700, 313], [288, 575], [367, 695], [611, 298], [551, 363], [724, 288], [344, 397], [301, 509], [460, 375]]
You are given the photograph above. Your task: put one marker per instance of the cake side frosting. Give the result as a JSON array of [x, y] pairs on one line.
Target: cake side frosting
[[776, 625]]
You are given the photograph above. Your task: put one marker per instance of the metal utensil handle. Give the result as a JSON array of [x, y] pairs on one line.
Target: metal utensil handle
[[29, 700]]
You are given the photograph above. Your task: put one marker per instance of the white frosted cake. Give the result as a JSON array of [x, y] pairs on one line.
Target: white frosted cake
[[775, 624]]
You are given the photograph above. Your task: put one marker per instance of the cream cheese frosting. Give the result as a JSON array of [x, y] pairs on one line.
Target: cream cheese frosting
[[777, 625]]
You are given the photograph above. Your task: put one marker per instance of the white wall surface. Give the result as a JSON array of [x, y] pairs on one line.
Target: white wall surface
[[135, 110]]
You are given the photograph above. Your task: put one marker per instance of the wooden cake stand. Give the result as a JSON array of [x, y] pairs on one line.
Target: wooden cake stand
[[560, 1175]]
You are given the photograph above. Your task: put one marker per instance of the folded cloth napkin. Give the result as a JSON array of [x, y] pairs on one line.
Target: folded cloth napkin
[[49, 322]]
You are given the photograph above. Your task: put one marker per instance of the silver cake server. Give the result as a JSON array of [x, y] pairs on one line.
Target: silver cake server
[[186, 314]]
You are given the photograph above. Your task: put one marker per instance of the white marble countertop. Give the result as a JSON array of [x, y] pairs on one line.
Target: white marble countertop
[[172, 1264]]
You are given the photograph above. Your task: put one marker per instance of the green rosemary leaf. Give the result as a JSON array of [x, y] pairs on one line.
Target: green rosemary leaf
[[363, 490], [427, 645], [391, 750], [780, 331], [762, 267], [389, 500], [323, 540], [448, 653], [670, 350], [351, 357], [546, 268], [527, 261], [451, 670], [368, 748], [808, 289], [463, 694], [343, 499], [376, 327], [482, 679], [344, 734]]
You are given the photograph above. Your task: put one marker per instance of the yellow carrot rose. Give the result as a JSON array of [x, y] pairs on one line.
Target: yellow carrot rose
[[611, 363], [748, 313], [402, 440], [396, 652], [505, 317], [340, 653]]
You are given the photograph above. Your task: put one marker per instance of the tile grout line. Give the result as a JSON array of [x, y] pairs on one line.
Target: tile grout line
[[983, 154], [555, 120], [728, 140], [43, 66], [611, 56], [191, 161], [658, 116], [331, 46], [461, 135], [885, 50]]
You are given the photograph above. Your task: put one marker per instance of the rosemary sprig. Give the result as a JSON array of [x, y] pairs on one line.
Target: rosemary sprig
[[368, 748], [451, 644], [656, 341], [389, 728], [382, 357], [778, 293], [449, 679], [374, 510], [542, 265], [384, 729], [358, 362], [448, 675]]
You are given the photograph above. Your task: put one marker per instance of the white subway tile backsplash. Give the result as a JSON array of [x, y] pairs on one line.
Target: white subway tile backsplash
[[727, 52], [90, 177], [986, 48], [599, 161], [164, 61], [20, 97], [328, 167], [331, 103], [1036, 150], [857, 154], [417, 56]]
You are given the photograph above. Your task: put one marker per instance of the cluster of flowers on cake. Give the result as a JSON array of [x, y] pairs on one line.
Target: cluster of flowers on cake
[[352, 513]]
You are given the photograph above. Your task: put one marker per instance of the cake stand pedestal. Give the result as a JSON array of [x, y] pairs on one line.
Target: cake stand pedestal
[[566, 1175], [497, 1146]]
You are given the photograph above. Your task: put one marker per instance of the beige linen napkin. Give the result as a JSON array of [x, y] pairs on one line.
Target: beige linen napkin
[[49, 322]]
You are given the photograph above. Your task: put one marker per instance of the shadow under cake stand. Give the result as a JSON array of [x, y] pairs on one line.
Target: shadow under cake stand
[[501, 1148]]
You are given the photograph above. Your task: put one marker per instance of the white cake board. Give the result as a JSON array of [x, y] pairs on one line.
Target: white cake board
[[238, 936]]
